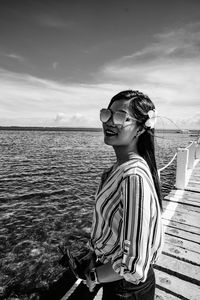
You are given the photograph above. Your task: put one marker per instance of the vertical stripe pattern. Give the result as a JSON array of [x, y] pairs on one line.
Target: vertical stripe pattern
[[127, 226]]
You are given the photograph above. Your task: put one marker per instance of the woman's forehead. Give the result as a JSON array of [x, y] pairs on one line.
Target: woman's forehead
[[121, 105]]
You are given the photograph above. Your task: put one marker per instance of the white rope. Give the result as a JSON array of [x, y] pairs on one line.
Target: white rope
[[161, 169], [189, 145]]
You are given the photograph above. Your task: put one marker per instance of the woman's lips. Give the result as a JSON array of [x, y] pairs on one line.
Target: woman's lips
[[110, 132]]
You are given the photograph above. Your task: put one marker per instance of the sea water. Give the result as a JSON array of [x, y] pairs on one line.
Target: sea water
[[48, 180]]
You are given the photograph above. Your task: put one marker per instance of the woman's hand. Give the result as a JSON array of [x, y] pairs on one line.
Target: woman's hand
[[90, 284]]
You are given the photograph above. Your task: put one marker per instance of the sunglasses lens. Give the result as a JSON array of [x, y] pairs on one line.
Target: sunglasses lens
[[119, 118], [105, 115]]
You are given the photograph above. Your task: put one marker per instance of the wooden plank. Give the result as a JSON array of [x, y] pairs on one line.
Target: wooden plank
[[182, 218], [182, 207], [193, 247], [178, 225], [194, 180], [184, 200], [182, 254], [161, 295], [176, 266], [185, 194], [187, 201], [177, 286], [194, 176], [196, 169], [182, 234], [196, 173], [99, 294], [192, 188]]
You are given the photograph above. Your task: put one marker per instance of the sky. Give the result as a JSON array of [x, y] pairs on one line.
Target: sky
[[62, 61]]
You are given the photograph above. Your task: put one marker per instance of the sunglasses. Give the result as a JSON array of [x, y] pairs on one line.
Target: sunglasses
[[118, 117]]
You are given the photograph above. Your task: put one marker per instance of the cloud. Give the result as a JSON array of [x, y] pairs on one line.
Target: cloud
[[28, 98], [182, 43], [78, 119], [59, 117], [167, 70], [15, 56], [53, 21], [192, 122], [12, 55], [55, 65]]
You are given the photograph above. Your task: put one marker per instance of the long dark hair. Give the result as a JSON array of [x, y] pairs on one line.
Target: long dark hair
[[140, 104]]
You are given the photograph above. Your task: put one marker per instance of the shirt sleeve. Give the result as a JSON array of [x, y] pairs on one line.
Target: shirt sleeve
[[134, 257]]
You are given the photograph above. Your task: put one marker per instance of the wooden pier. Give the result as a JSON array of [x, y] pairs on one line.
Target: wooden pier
[[178, 268]]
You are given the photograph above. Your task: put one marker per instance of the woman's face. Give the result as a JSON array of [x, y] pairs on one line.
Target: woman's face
[[120, 135]]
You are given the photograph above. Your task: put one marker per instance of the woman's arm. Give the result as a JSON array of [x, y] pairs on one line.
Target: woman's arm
[[133, 260]]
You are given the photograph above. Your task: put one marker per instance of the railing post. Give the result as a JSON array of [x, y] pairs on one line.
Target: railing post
[[181, 168], [197, 153], [191, 156]]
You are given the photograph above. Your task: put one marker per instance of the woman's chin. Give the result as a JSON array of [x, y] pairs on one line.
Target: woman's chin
[[110, 140]]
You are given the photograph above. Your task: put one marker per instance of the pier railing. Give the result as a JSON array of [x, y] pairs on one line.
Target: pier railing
[[186, 158]]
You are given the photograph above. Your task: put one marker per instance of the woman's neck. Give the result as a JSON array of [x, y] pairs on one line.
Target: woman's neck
[[124, 154]]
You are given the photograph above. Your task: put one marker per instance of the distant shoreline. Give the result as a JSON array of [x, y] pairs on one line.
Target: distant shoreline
[[38, 128], [93, 129]]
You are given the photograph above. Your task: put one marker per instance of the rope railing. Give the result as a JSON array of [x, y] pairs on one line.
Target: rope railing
[[189, 145], [169, 163], [175, 155]]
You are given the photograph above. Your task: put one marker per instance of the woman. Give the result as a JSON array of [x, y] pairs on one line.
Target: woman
[[127, 231]]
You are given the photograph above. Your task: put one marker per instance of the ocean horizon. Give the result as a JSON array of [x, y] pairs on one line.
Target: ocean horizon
[[95, 129]]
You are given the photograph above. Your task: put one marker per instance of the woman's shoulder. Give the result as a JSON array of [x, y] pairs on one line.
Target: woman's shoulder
[[136, 166]]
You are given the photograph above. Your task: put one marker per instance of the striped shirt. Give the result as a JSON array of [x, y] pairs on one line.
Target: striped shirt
[[127, 226]]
